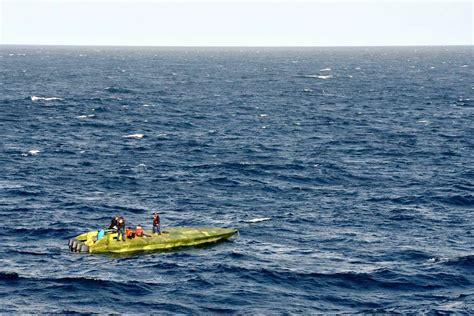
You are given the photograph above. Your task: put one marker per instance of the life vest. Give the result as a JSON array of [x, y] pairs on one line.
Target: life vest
[[139, 231], [156, 219], [129, 232]]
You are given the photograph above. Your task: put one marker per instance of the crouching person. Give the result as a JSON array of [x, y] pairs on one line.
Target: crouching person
[[139, 231]]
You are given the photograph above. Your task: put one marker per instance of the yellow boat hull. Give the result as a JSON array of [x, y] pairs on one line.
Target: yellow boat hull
[[170, 238]]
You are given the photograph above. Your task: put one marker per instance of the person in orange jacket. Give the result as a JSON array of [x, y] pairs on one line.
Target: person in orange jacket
[[139, 231], [129, 232]]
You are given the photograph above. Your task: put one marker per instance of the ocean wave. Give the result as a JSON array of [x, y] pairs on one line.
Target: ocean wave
[[32, 152], [39, 232], [466, 262], [9, 276], [457, 200], [118, 90], [223, 181], [36, 98], [134, 136], [83, 283], [257, 220], [323, 77], [382, 279], [82, 117], [403, 215], [412, 255]]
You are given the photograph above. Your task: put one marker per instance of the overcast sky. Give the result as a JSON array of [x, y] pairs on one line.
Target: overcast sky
[[236, 23]]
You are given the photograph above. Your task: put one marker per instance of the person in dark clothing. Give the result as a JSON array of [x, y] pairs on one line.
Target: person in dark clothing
[[156, 224], [113, 223], [120, 228]]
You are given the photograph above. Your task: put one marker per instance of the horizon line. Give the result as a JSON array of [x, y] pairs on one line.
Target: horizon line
[[240, 46]]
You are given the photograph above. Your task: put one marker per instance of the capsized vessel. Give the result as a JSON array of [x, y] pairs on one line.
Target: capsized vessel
[[169, 238]]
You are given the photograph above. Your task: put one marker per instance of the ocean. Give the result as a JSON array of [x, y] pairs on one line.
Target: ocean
[[349, 173]]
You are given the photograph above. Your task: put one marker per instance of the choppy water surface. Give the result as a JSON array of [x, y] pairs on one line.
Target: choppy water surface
[[349, 173]]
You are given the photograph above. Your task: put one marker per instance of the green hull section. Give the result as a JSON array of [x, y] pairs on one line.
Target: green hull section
[[170, 238]]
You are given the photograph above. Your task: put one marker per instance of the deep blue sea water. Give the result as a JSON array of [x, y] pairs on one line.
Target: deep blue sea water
[[349, 173]]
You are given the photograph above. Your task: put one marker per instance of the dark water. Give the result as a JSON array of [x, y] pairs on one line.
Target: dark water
[[364, 174]]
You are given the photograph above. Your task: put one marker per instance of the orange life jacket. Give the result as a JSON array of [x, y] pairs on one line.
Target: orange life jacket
[[129, 232], [139, 231]]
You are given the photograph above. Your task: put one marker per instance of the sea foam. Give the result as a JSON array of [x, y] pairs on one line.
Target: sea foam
[[134, 136], [32, 152], [257, 220], [36, 98]]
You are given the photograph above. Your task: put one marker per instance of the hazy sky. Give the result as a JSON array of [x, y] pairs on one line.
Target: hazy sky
[[236, 23]]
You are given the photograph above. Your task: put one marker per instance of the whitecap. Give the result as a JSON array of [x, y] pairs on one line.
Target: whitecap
[[85, 116], [325, 69], [32, 152], [35, 98], [135, 136], [316, 76], [263, 115], [258, 219], [307, 90], [464, 66]]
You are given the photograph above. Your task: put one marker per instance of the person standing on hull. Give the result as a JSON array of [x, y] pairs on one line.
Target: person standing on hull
[[120, 228], [156, 224]]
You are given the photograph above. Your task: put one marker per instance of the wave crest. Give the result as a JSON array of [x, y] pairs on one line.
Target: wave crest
[[35, 98]]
